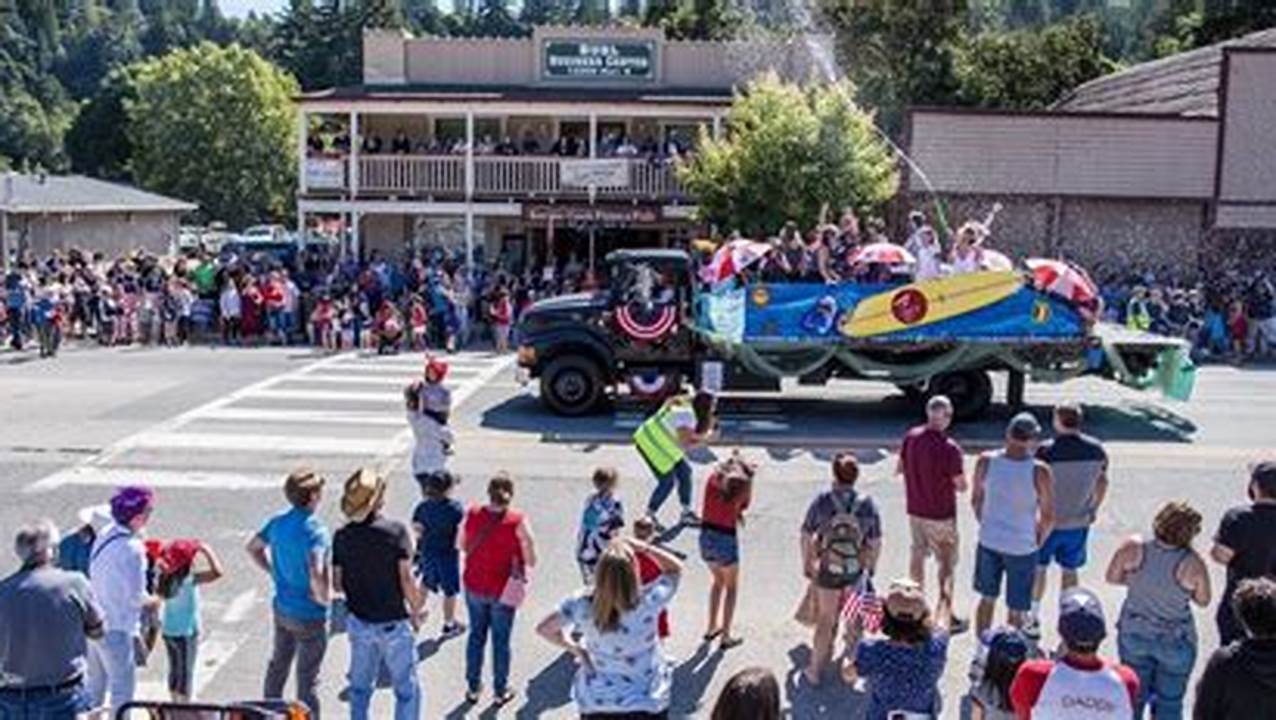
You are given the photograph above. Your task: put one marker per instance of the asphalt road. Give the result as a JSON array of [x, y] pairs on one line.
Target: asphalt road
[[216, 430]]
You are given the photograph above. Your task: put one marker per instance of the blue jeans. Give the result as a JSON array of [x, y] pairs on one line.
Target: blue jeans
[[488, 614], [371, 644], [1163, 662], [112, 667], [679, 473], [17, 705]]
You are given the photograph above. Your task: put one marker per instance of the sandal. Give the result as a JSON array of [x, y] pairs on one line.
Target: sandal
[[711, 636], [730, 642]]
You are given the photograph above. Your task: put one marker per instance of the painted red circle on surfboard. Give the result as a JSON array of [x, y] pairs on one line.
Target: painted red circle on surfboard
[[909, 306]]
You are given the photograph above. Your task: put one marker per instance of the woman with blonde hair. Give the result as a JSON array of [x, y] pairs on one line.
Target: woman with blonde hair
[[1156, 635], [623, 672]]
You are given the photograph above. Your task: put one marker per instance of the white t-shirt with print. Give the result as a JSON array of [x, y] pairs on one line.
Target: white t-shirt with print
[[630, 671]]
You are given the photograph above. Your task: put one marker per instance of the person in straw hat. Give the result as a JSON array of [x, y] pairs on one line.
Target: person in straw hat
[[372, 566]]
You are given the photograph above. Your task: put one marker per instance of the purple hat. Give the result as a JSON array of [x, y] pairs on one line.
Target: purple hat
[[129, 502]]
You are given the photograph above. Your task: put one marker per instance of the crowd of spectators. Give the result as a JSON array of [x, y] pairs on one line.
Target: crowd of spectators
[[612, 144], [425, 299], [1227, 315]]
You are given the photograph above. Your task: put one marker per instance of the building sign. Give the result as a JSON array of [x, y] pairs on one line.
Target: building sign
[[601, 214], [594, 173], [325, 174], [599, 60]]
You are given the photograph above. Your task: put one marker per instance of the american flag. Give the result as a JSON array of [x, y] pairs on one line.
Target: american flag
[[863, 604]]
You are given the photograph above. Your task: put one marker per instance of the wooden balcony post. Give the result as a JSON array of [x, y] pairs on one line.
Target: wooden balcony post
[[469, 155], [593, 134], [303, 148], [356, 144]]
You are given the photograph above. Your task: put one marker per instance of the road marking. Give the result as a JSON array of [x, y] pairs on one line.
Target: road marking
[[238, 609], [316, 444], [105, 470], [327, 396], [353, 379], [93, 475], [303, 417]]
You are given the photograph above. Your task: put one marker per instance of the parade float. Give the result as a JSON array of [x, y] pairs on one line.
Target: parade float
[[657, 326]]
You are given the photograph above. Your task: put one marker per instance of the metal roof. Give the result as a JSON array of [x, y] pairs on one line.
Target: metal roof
[[521, 93], [79, 194], [1183, 84]]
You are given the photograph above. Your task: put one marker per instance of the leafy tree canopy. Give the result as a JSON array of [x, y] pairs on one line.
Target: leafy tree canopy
[[216, 126], [791, 152]]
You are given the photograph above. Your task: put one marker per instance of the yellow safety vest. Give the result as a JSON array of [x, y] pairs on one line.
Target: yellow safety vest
[[658, 442], [1137, 316]]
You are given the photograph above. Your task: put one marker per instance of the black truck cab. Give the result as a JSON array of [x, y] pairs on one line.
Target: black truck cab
[[638, 329]]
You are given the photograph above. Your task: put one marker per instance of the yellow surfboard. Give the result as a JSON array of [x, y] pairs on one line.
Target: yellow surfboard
[[931, 301]]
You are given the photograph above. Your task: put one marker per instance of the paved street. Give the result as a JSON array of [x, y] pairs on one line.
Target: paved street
[[215, 430]]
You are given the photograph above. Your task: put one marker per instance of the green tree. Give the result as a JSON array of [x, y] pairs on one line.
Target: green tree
[[495, 20], [898, 54], [790, 152], [1028, 69], [320, 45], [547, 12], [697, 19], [215, 125], [96, 142]]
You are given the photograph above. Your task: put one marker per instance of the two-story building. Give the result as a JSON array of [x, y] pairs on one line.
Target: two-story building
[[563, 145]]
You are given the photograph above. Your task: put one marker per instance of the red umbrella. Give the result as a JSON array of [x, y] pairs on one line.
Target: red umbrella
[[733, 258], [885, 253], [1063, 279]]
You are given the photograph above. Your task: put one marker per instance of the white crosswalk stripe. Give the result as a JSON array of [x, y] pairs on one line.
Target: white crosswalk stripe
[[348, 406]]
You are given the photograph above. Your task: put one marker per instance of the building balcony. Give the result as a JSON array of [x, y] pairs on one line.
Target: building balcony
[[503, 178]]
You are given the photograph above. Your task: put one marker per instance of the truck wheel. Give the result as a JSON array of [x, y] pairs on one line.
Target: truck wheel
[[572, 385], [969, 390]]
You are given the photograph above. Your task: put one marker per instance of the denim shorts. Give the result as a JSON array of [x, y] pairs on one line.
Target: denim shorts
[[440, 572], [719, 548], [1066, 547], [1020, 570]]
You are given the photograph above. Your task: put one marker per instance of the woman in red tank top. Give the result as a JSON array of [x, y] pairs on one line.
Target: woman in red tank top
[[498, 543]]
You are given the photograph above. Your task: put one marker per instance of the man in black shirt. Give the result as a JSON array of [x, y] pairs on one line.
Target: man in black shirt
[[1246, 544], [372, 565], [1240, 680]]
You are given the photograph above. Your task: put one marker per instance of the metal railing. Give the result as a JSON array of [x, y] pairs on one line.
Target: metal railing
[[513, 177]]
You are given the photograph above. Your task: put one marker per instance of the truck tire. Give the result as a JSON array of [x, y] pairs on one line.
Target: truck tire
[[572, 385], [969, 390]]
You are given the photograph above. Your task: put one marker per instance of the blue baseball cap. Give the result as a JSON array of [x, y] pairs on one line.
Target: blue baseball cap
[[1081, 620]]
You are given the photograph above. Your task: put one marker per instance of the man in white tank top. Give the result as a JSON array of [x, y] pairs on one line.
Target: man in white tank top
[[1080, 685]]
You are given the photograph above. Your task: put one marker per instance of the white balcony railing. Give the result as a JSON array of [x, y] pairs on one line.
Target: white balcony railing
[[511, 177]]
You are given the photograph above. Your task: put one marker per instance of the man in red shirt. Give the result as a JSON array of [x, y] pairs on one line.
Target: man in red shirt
[[1079, 683], [931, 463]]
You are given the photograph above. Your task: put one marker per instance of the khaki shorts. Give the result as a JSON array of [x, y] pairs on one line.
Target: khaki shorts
[[935, 537]]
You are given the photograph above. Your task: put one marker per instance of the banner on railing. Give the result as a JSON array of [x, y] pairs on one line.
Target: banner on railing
[[594, 173], [325, 173]]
